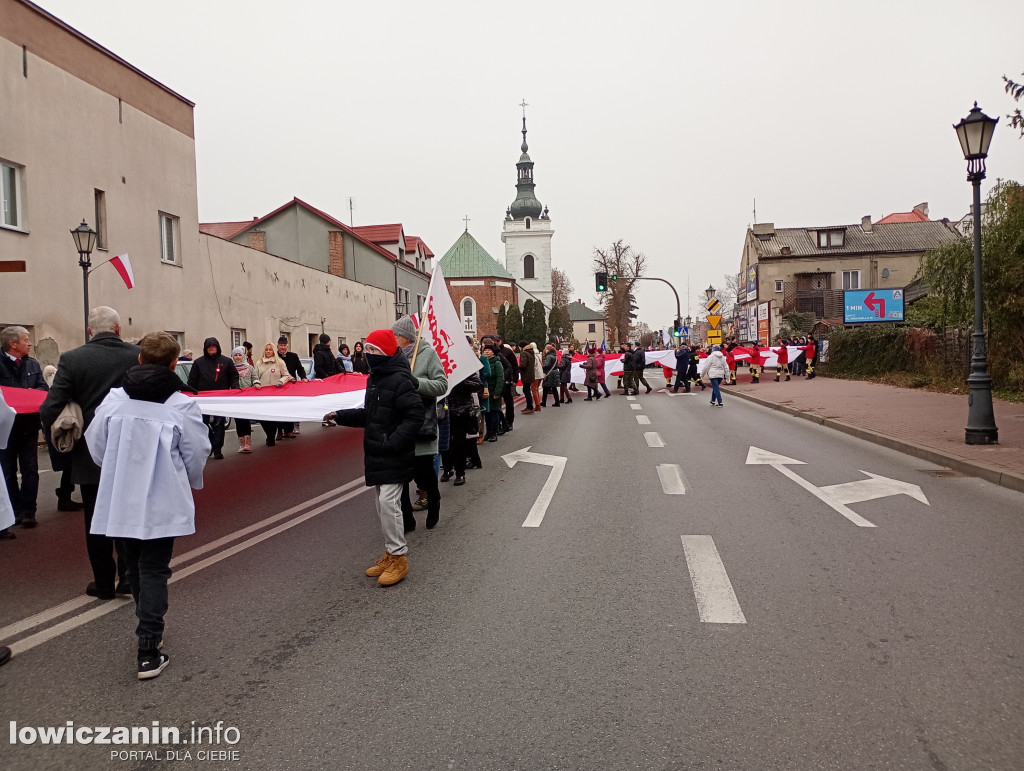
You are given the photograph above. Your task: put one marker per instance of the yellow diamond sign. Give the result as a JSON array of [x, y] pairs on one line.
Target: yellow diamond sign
[[714, 320]]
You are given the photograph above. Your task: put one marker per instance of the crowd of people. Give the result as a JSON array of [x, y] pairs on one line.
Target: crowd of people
[[110, 393]]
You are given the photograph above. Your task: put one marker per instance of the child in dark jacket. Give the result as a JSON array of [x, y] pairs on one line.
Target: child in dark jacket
[[391, 418]]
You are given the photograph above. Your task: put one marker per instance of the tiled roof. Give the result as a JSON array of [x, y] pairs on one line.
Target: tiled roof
[[905, 216], [467, 258], [580, 312], [411, 242], [380, 234], [882, 238], [335, 222], [225, 230]]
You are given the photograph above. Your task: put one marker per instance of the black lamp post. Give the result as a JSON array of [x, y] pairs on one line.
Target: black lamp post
[[85, 241], [975, 135], [709, 292]]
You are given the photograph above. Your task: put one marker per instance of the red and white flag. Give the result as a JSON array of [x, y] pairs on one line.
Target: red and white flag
[[443, 328], [123, 266]]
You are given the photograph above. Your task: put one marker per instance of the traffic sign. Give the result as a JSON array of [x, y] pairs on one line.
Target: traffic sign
[[715, 337], [713, 304], [872, 305], [714, 320]]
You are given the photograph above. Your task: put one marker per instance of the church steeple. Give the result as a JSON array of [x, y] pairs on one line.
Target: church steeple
[[526, 203]]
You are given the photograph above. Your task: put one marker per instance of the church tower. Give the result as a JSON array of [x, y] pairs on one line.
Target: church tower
[[526, 234]]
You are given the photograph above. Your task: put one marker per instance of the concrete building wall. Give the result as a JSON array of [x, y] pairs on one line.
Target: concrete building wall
[[91, 123], [581, 331], [243, 288]]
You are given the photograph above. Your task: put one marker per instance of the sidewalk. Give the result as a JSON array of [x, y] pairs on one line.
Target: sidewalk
[[921, 423]]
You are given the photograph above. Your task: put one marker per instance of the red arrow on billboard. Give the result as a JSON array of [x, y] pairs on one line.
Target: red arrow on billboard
[[876, 304]]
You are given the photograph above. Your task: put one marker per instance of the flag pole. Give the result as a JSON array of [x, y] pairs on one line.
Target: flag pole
[[419, 327]]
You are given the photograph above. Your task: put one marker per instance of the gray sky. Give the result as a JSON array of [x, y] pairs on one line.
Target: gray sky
[[654, 122]]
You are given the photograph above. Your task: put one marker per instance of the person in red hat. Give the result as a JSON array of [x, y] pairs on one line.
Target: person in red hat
[[391, 418]]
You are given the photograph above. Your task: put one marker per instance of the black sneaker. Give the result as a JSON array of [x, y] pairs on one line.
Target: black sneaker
[[28, 521], [460, 480], [152, 663], [218, 455], [124, 588], [93, 591]]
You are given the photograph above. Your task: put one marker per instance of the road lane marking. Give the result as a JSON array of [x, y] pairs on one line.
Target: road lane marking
[[109, 606], [547, 492], [636, 406], [654, 439], [712, 589], [671, 477], [643, 420], [630, 398]]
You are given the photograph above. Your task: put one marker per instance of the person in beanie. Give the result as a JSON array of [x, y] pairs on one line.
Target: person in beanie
[[431, 385], [324, 363], [213, 372], [294, 366], [151, 444], [391, 417]]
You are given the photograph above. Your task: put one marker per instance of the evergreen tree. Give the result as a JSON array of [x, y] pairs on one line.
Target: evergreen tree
[[559, 323], [514, 325], [535, 329], [502, 326]]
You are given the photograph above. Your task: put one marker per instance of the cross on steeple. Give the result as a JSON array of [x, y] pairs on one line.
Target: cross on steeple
[[524, 105], [466, 220]]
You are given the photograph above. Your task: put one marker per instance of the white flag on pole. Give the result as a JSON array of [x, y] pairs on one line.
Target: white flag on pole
[[443, 327]]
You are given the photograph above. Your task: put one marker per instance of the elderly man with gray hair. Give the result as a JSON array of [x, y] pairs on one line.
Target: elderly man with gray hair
[[19, 370], [85, 375]]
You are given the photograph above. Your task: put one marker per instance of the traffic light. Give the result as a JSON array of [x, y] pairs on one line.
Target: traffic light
[[614, 277], [601, 280]]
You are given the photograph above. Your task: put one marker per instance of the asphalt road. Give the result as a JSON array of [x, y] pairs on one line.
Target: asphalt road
[[607, 637]]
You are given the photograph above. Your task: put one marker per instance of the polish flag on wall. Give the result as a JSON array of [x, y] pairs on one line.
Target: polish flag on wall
[[123, 266]]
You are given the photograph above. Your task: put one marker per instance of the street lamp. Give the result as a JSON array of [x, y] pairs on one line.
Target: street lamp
[[975, 135], [709, 292], [85, 241]]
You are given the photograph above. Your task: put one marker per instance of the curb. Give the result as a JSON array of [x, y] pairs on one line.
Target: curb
[[1007, 479]]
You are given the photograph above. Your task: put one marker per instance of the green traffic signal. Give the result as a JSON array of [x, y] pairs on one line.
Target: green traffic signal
[[614, 277], [601, 281]]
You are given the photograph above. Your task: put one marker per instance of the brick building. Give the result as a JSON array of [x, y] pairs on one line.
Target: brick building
[[478, 285]]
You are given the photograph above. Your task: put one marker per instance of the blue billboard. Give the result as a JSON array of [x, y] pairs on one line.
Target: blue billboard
[[872, 305]]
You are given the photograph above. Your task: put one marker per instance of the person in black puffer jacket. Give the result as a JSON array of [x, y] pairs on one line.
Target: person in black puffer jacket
[[463, 409], [391, 418], [324, 362], [213, 372]]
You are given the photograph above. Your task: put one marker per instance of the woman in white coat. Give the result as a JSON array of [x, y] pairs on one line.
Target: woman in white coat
[[717, 369]]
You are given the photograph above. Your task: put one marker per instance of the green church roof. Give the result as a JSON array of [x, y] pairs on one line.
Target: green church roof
[[467, 258]]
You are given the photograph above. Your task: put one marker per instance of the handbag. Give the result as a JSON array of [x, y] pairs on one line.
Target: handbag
[[428, 430]]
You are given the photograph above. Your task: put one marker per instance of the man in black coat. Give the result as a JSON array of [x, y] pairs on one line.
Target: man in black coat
[[214, 372], [19, 370], [510, 365], [297, 371], [325, 363], [85, 375], [683, 356], [391, 418]]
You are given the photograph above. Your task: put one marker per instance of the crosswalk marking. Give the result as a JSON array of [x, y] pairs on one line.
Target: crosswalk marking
[[712, 589], [654, 439], [643, 420]]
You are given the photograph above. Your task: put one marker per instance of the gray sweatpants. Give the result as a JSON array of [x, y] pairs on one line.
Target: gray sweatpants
[[389, 510]]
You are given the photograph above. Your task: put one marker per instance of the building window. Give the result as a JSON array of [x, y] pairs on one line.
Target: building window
[[591, 327], [401, 302], [179, 338], [851, 279], [468, 306], [421, 300], [527, 223], [237, 337], [11, 196], [830, 238], [528, 269], [101, 218], [778, 285], [169, 239]]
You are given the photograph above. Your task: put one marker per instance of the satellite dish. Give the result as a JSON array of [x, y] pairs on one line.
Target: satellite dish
[[885, 273]]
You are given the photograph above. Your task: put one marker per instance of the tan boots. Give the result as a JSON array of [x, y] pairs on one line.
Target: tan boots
[[389, 569], [245, 444]]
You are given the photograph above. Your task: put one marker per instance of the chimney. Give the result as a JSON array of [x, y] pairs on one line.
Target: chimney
[[258, 240], [865, 224], [786, 251], [336, 253], [764, 229], [923, 208]]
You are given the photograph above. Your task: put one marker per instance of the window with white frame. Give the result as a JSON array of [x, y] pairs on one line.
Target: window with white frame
[[528, 267], [402, 301], [421, 300], [179, 338], [851, 279], [170, 239], [778, 284], [830, 238], [12, 213], [237, 337], [468, 306]]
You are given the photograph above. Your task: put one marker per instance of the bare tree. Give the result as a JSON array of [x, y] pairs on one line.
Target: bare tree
[[1016, 90], [623, 266], [561, 289]]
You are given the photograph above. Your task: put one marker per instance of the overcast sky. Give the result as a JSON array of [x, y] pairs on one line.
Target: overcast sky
[[658, 123]]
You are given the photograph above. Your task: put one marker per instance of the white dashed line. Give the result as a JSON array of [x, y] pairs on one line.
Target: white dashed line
[[654, 439], [671, 479], [716, 600], [643, 420]]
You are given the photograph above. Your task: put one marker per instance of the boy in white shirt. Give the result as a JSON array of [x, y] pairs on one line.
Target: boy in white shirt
[[151, 444]]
